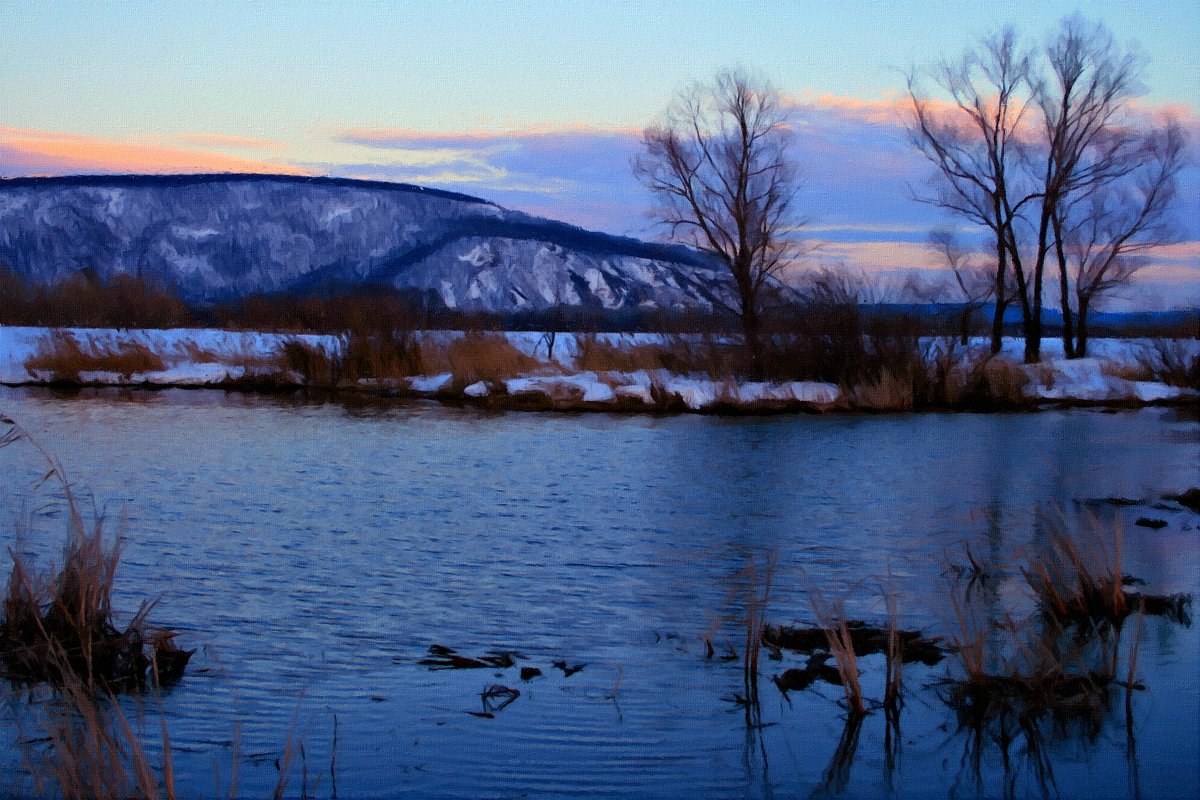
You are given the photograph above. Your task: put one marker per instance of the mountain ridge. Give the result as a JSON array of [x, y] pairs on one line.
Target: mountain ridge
[[218, 237]]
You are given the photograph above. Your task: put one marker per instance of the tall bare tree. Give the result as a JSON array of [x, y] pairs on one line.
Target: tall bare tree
[[1082, 94], [720, 169], [1023, 138], [971, 133], [1109, 228]]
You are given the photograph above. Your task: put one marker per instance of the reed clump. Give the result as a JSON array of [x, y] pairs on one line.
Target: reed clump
[[832, 619], [60, 627], [677, 354], [379, 355], [477, 356], [1074, 581], [63, 356]]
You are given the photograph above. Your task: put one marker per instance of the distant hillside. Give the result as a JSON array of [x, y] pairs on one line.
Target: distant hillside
[[215, 238]]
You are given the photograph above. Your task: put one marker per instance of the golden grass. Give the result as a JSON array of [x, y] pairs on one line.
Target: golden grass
[[477, 356], [831, 617], [93, 751], [64, 357], [893, 391], [199, 355], [1005, 381], [1077, 580], [677, 354], [60, 627]]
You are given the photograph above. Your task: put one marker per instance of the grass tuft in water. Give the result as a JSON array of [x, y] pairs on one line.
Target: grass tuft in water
[[60, 628]]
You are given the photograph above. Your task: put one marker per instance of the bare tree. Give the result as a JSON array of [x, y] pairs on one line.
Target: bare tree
[[1082, 99], [1026, 139], [719, 167], [973, 139], [1111, 226]]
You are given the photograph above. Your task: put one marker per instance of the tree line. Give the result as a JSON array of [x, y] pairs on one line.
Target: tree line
[[1040, 146]]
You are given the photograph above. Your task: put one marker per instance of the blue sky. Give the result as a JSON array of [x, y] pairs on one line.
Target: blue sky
[[535, 106]]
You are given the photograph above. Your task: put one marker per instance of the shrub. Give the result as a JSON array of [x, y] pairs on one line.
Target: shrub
[[317, 367], [1175, 362]]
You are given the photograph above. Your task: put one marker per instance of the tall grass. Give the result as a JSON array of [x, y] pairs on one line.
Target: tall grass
[[831, 617], [679, 354], [476, 356], [64, 357], [93, 750], [386, 357], [1076, 581], [59, 627], [758, 597], [894, 656]]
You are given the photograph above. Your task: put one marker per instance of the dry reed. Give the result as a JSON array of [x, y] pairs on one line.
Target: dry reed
[[93, 751], [64, 357], [60, 627], [832, 619], [894, 656], [477, 356], [757, 599], [677, 354], [1074, 581]]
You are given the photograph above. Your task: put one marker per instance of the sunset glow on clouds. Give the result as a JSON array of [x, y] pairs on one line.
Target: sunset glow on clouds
[[539, 110], [33, 152]]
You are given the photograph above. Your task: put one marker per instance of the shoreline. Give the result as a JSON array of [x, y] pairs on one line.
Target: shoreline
[[254, 362]]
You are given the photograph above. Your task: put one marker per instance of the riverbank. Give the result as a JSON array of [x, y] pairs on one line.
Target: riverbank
[[592, 372]]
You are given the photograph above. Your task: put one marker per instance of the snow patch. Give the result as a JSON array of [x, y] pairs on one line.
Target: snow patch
[[430, 384], [477, 389]]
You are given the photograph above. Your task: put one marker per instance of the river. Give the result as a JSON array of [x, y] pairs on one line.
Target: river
[[314, 552]]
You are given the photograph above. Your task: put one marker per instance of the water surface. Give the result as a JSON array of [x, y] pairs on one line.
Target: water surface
[[314, 552]]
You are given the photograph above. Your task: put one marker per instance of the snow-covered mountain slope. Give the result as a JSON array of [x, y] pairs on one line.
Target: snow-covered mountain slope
[[218, 237]]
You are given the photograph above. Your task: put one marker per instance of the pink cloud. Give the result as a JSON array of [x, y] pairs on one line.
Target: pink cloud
[[29, 151]]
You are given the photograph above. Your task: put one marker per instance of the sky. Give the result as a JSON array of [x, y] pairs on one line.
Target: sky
[[538, 106]]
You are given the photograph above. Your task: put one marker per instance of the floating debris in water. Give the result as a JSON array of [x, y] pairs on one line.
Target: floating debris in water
[[865, 639], [797, 680], [442, 657], [567, 671], [497, 697]]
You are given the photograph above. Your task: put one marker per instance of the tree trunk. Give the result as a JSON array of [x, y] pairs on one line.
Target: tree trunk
[[1082, 332], [743, 277], [965, 325], [1027, 314], [750, 332], [1064, 293], [1001, 300], [1033, 327]]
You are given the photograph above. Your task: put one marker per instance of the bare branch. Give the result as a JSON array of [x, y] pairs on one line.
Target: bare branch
[[720, 170]]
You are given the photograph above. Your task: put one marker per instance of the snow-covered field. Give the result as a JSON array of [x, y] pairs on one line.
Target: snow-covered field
[[205, 357]]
